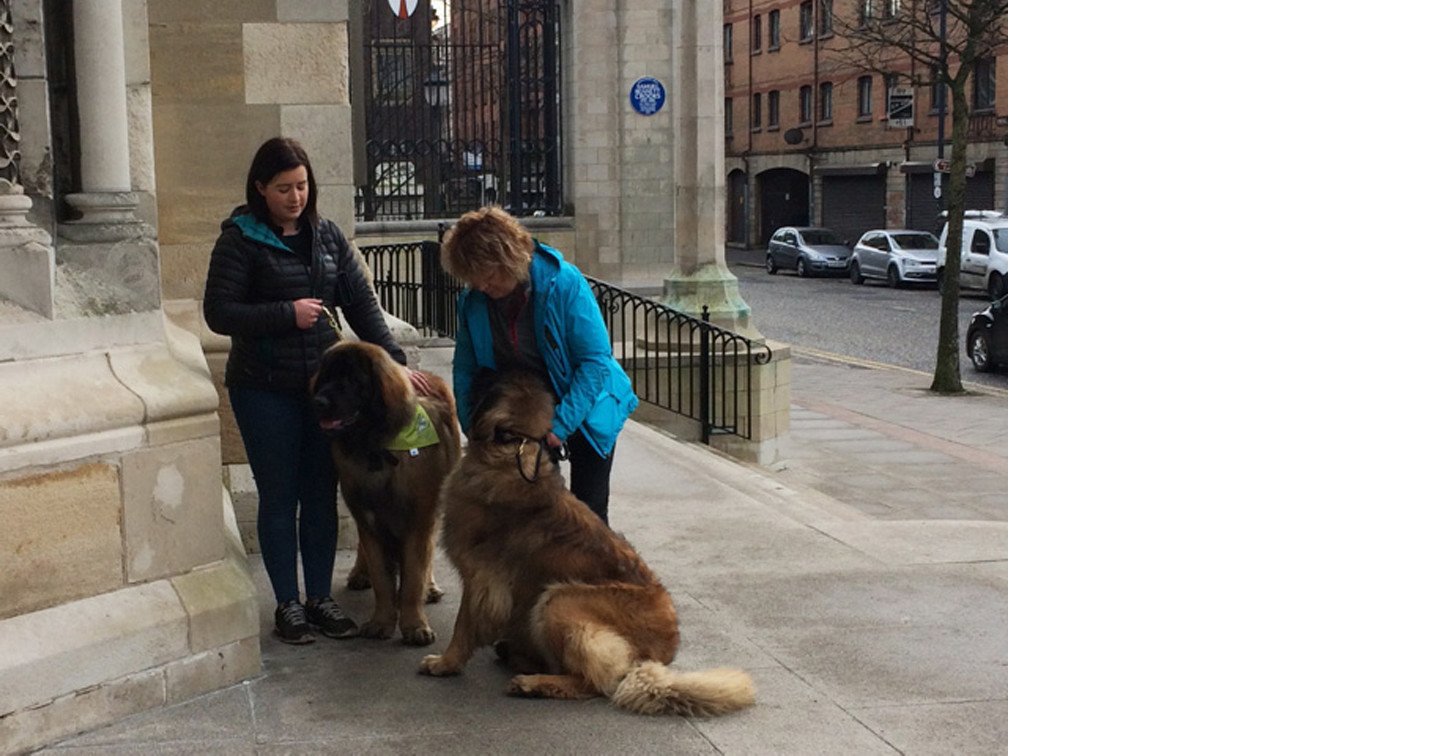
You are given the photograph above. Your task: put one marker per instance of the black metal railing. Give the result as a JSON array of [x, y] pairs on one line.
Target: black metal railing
[[675, 361], [462, 109], [682, 363]]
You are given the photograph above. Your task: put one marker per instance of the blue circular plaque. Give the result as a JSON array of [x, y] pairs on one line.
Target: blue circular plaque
[[647, 95]]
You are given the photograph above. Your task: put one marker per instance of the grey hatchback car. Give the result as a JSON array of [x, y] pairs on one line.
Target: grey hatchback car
[[807, 250]]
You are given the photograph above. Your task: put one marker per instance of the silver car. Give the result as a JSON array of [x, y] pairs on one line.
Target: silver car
[[899, 256], [807, 250]]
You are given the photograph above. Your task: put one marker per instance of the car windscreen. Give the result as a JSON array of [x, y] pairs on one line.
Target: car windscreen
[[915, 241], [822, 236], [1001, 237]]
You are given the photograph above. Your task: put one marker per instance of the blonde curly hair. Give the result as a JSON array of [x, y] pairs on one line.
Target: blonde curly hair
[[486, 239]]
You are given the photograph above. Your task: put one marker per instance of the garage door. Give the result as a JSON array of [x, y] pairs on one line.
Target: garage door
[[922, 210], [852, 205]]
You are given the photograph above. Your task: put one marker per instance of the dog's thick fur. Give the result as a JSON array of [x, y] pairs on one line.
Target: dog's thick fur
[[363, 398], [568, 604]]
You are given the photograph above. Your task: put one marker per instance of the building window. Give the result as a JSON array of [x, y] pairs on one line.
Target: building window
[[774, 109], [729, 42], [774, 30], [807, 20], [755, 112], [806, 95], [393, 71], [862, 87], [984, 88], [756, 35], [892, 9], [867, 11], [826, 25], [827, 107], [729, 117], [938, 91]]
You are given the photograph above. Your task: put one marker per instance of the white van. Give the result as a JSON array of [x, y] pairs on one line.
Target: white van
[[984, 251]]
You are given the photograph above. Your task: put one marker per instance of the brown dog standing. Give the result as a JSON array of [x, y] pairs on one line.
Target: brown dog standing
[[393, 449], [569, 605]]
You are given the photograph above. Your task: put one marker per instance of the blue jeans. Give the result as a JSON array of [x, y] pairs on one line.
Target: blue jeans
[[290, 457]]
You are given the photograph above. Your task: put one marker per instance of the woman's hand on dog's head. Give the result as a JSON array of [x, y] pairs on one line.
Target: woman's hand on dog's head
[[552, 440]]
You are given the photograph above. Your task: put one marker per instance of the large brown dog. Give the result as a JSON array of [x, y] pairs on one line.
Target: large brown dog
[[391, 469], [569, 605]]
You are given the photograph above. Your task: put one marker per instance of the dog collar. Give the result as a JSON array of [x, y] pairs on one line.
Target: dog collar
[[419, 434]]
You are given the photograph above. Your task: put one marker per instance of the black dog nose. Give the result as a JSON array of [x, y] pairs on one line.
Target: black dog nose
[[322, 402]]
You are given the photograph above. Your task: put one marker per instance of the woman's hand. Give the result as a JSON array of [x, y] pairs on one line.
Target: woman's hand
[[552, 440], [307, 311], [420, 382]]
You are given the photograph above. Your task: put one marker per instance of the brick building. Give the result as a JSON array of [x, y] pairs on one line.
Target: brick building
[[807, 140]]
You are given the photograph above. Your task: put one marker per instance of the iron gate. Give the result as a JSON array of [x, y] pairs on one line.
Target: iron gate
[[461, 109]]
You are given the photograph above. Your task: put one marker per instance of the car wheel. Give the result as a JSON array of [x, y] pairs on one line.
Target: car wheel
[[802, 268], [980, 352], [855, 276], [770, 265], [894, 275], [997, 286]]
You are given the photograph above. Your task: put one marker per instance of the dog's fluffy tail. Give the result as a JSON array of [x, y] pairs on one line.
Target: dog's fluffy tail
[[653, 688]]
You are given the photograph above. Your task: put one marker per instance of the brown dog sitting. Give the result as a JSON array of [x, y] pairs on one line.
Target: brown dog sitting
[[568, 604], [392, 450]]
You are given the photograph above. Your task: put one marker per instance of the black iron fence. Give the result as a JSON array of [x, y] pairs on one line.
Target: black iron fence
[[462, 109], [675, 361]]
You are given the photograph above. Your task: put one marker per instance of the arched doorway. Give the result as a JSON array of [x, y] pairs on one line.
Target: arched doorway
[[735, 207], [784, 200]]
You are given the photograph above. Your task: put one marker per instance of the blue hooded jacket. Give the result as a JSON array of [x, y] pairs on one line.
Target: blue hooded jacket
[[595, 394]]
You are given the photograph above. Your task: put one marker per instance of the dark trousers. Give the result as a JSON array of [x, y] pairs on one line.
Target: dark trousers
[[294, 474], [590, 475]]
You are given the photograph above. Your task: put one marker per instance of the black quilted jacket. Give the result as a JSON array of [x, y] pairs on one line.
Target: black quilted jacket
[[253, 281]]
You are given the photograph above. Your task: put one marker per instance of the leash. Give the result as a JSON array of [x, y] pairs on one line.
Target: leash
[[508, 436]]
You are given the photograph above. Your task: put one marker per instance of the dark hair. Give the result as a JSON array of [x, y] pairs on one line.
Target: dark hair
[[275, 156]]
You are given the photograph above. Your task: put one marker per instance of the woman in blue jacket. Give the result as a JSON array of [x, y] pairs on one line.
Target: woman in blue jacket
[[526, 308]]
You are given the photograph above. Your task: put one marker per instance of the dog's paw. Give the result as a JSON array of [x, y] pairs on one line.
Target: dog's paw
[[380, 630], [433, 594], [435, 665], [418, 636]]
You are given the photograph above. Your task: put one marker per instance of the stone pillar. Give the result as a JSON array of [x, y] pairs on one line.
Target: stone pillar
[[25, 253], [701, 279], [104, 123]]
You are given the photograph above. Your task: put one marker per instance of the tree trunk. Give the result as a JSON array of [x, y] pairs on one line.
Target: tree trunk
[[948, 351]]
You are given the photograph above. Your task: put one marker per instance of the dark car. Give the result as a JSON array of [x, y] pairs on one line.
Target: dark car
[[807, 250], [987, 339]]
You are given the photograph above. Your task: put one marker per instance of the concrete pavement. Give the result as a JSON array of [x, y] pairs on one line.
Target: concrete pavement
[[862, 582]]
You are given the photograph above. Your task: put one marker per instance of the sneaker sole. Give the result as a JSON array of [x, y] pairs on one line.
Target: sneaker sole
[[301, 641]]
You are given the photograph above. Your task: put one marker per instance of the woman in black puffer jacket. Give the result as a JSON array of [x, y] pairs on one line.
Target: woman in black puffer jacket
[[277, 272]]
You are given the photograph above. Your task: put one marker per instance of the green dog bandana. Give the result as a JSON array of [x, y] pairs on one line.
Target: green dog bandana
[[419, 434]]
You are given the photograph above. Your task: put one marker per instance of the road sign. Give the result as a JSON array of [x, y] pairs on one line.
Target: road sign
[[942, 166], [900, 108], [404, 8]]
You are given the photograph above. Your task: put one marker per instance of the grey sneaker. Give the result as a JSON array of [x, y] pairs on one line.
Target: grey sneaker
[[290, 624], [325, 614]]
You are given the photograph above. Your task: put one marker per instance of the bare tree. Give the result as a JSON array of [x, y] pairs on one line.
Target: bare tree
[[941, 41]]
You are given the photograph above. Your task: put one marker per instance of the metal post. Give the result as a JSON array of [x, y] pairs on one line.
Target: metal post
[[944, 63], [705, 375]]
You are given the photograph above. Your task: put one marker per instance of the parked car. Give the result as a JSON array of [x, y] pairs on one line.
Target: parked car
[[984, 251], [899, 256], [987, 340], [807, 250]]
